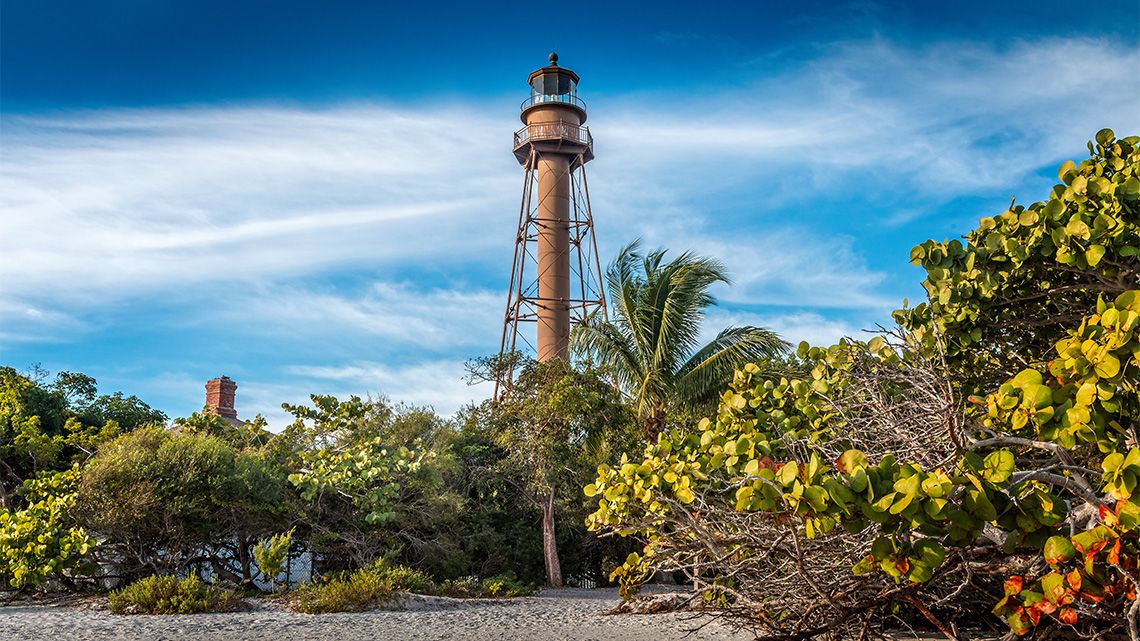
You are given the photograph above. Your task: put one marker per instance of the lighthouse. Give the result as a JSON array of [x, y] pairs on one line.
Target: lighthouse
[[556, 273]]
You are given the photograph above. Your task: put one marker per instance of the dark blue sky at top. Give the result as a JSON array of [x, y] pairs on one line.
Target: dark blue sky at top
[[151, 52]]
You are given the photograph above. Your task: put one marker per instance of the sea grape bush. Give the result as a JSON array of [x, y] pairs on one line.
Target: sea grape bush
[[1025, 277], [369, 475], [1038, 475], [40, 541]]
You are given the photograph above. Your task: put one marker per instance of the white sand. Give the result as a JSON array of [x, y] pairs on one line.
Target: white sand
[[554, 615]]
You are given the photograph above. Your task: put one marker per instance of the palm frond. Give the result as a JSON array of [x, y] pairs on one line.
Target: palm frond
[[657, 309], [682, 309], [710, 370], [610, 347]]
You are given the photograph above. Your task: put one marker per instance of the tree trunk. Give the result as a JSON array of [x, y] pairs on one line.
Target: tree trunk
[[245, 558], [550, 543], [653, 425]]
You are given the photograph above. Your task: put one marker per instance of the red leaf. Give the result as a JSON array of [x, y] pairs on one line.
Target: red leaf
[[1067, 615], [1013, 585], [903, 564], [1092, 597], [1043, 607], [1107, 516], [1074, 579], [1114, 554], [1034, 615]]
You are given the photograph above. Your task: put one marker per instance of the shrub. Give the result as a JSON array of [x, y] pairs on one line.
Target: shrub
[[501, 586], [361, 589], [271, 553], [39, 542], [504, 586], [171, 595], [157, 499], [992, 436]]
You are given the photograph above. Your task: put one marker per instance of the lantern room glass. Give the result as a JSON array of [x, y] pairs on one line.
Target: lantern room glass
[[553, 84]]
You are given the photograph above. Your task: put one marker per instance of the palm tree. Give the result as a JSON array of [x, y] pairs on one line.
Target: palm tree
[[650, 344]]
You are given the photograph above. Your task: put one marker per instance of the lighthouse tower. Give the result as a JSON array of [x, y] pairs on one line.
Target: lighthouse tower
[[556, 274]]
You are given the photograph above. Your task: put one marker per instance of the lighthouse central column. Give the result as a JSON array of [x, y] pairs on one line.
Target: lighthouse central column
[[553, 256]]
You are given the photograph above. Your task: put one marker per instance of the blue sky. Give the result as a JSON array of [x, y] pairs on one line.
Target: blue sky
[[320, 197]]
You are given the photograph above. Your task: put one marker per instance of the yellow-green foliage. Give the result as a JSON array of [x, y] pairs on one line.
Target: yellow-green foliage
[[1085, 386], [361, 589], [380, 582], [495, 587], [371, 474], [1030, 272], [39, 541], [1052, 285], [503, 586], [271, 552], [739, 460], [171, 595]]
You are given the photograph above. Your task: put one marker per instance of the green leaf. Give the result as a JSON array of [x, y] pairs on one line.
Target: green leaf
[[909, 486], [929, 555], [1108, 366], [1131, 186], [1112, 462], [684, 494], [1086, 394], [866, 566], [743, 498], [1067, 167], [1093, 254], [998, 466], [1053, 586], [979, 504], [1058, 549], [787, 473], [1026, 377], [1038, 396], [851, 460]]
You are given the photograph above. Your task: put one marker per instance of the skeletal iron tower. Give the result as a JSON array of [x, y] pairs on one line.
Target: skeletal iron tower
[[556, 275]]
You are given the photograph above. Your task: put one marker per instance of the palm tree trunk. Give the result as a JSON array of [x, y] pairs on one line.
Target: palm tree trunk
[[654, 424], [550, 543]]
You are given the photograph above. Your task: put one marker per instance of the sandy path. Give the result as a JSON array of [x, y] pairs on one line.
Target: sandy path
[[555, 615]]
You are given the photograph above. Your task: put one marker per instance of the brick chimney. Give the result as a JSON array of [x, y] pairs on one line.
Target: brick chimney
[[220, 397]]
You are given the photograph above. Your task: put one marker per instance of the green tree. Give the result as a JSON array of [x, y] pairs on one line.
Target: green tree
[[651, 343], [164, 502], [555, 424], [241, 435], [271, 554], [45, 428], [372, 477]]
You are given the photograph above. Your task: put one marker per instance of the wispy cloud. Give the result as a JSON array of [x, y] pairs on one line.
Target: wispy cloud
[[118, 202], [403, 313], [793, 327], [438, 384]]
